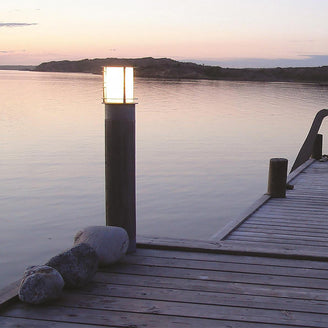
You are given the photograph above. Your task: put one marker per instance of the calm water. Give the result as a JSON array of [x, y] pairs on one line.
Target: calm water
[[203, 149]]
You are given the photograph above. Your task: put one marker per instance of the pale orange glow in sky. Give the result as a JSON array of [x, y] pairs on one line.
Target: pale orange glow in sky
[[34, 31]]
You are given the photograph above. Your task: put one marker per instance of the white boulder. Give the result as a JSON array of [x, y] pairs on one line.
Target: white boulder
[[110, 243]]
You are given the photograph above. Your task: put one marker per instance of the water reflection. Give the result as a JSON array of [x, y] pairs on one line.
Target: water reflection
[[203, 149]]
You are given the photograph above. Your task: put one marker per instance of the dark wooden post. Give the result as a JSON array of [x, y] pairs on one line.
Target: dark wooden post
[[120, 168], [277, 177], [317, 147]]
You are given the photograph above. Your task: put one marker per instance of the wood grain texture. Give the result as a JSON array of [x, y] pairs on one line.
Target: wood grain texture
[[164, 288], [297, 223], [234, 224]]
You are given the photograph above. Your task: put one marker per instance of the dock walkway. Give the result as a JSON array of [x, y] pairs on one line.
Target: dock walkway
[[268, 269], [297, 224]]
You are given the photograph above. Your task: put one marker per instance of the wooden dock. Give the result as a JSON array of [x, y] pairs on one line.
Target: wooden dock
[[295, 225], [267, 269]]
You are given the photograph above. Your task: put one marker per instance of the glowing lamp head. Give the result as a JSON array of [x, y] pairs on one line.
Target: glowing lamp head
[[118, 85]]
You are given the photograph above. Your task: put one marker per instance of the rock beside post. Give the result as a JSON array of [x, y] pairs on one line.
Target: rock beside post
[[110, 243], [40, 284], [77, 265]]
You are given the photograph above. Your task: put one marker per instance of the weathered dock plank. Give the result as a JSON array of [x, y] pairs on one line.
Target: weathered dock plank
[[135, 319], [167, 288], [30, 323], [297, 224], [236, 247], [222, 233], [213, 286], [209, 257]]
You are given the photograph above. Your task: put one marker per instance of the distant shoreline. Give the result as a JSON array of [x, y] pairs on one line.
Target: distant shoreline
[[149, 67], [17, 67]]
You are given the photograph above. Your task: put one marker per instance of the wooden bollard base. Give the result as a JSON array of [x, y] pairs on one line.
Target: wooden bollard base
[[277, 177]]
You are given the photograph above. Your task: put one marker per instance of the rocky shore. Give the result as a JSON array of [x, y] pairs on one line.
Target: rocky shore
[[171, 69]]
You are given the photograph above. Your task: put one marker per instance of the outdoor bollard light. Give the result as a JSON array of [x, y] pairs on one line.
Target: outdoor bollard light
[[120, 150]]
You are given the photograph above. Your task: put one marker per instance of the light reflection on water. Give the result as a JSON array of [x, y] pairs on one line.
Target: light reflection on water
[[203, 149]]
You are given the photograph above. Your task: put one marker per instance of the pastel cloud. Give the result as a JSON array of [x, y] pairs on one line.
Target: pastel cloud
[[16, 24]]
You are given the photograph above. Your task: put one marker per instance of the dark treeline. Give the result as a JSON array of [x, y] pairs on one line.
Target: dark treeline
[[168, 68]]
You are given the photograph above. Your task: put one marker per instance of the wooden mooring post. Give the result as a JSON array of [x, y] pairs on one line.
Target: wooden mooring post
[[317, 147], [277, 177]]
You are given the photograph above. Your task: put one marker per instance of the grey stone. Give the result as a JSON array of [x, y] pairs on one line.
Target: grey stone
[[40, 284], [110, 243], [77, 265]]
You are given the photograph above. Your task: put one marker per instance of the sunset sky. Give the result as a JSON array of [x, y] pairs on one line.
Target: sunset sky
[[226, 32]]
